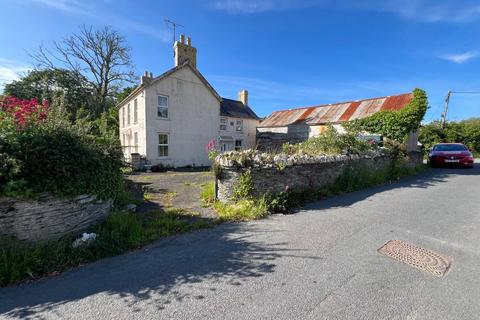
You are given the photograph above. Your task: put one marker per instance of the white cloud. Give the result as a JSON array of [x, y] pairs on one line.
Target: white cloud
[[259, 6], [460, 57], [92, 9], [419, 10], [70, 6], [10, 70]]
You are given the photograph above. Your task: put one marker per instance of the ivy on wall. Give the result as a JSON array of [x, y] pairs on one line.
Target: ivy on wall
[[395, 124]]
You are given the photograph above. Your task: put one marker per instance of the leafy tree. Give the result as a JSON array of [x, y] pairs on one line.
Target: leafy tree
[[431, 134], [466, 131], [101, 56], [65, 89]]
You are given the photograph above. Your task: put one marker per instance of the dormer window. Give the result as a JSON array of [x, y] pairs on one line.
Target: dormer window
[[162, 107]]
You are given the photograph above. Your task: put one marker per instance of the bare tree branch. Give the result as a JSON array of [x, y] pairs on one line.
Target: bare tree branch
[[102, 56]]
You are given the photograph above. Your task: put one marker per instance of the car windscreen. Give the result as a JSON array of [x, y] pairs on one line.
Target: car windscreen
[[449, 147]]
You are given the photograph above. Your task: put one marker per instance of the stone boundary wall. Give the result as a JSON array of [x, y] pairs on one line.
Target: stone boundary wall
[[49, 218], [296, 177]]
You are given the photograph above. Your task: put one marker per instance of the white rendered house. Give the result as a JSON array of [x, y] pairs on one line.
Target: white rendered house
[[170, 119]]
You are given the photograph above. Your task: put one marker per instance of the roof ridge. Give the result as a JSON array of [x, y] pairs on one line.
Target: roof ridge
[[344, 102]]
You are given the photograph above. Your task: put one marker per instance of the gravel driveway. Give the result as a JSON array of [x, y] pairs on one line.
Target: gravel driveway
[[175, 189]]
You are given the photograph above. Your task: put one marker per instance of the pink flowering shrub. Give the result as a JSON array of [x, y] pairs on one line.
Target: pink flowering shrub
[[41, 152], [211, 149], [23, 112]]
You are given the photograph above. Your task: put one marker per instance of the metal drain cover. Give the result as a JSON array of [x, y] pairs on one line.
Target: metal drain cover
[[417, 257]]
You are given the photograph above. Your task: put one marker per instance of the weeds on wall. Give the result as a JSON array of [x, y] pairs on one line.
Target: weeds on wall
[[243, 189]]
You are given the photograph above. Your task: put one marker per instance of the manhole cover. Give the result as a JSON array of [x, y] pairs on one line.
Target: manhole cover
[[417, 257]]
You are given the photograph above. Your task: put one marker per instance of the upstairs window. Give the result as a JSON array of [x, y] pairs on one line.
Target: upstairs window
[[223, 124], [162, 107], [239, 125], [238, 145], [128, 114], [135, 111], [123, 120], [162, 145]]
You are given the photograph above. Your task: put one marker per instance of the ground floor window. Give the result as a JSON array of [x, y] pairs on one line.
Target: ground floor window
[[135, 141], [238, 145], [162, 145]]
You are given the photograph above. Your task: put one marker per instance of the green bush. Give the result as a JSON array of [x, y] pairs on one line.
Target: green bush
[[331, 142], [57, 157], [465, 131]]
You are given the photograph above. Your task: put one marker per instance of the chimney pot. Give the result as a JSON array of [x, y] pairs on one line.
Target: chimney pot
[[182, 38], [189, 41], [150, 75]]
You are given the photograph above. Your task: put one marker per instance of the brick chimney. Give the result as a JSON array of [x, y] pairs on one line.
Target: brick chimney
[[243, 96], [183, 51]]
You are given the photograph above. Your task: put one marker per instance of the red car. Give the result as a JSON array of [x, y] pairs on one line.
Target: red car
[[449, 154]]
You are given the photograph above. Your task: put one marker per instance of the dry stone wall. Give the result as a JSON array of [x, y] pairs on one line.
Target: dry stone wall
[[298, 176], [48, 218]]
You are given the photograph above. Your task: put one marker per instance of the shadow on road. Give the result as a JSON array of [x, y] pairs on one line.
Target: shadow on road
[[156, 275], [429, 178]]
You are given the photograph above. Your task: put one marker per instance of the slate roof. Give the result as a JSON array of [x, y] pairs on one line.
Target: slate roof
[[234, 108], [336, 113]]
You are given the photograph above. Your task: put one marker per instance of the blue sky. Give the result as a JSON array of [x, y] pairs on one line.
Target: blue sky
[[287, 53]]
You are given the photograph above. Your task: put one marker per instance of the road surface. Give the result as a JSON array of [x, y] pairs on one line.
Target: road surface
[[320, 263]]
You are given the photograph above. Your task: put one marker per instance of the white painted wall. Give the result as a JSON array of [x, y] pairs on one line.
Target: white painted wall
[[247, 135], [138, 127], [194, 117]]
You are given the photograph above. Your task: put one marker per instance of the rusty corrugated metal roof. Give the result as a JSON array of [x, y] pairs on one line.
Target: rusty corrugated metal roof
[[335, 113]]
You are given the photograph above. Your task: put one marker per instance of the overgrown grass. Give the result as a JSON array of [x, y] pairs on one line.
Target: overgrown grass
[[242, 210], [121, 232], [207, 195]]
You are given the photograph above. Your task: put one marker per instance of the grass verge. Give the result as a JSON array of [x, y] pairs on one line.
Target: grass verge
[[121, 232]]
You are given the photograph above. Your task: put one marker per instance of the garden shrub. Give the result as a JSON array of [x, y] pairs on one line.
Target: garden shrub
[[45, 153], [331, 142]]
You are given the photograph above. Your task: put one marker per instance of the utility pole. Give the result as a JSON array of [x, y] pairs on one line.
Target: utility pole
[[444, 115], [174, 26], [447, 101]]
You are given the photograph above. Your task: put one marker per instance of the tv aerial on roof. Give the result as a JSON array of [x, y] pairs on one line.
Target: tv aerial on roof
[[174, 25]]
